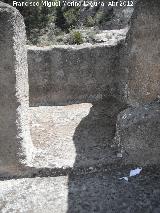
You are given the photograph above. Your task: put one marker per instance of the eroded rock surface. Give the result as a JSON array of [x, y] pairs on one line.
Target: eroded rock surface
[[138, 134], [80, 135], [61, 75], [141, 57], [15, 141]]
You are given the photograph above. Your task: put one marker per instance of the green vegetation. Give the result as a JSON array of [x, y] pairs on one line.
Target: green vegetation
[[71, 16], [76, 38], [102, 17], [62, 24], [89, 21]]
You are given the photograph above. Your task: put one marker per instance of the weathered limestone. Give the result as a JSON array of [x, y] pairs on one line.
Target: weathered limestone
[[138, 129], [34, 195], [138, 134], [130, 70], [15, 141], [141, 63], [71, 74]]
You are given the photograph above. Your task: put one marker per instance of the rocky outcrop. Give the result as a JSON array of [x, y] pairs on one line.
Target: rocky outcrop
[[140, 61], [139, 83], [127, 70], [130, 70], [79, 171], [138, 134], [15, 141]]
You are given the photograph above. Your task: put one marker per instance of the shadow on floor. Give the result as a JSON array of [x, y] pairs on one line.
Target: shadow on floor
[[93, 139]]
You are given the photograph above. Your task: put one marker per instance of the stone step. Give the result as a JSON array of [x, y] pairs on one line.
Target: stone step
[[98, 192]]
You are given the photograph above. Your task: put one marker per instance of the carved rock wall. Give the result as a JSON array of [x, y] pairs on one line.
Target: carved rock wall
[[15, 141]]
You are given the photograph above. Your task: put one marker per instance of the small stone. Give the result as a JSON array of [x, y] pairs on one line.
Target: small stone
[[119, 155]]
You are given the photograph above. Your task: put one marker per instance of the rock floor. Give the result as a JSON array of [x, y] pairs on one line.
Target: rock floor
[[99, 192], [75, 169], [74, 135]]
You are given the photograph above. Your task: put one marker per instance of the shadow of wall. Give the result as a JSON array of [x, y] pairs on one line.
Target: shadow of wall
[[93, 139]]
